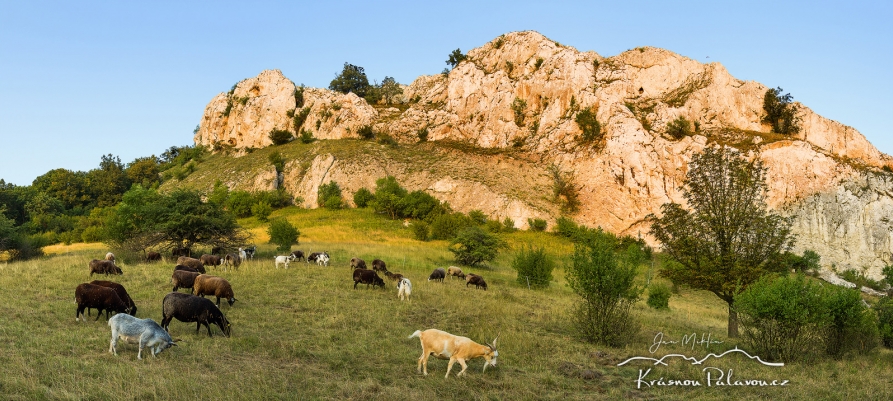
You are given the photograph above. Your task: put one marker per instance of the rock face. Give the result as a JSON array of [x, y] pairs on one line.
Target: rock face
[[523, 91]]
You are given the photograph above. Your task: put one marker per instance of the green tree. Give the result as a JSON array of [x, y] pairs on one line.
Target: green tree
[[473, 246], [281, 136], [362, 197], [781, 112], [605, 282], [68, 186], [283, 234], [679, 128], [455, 58], [420, 205], [390, 90], [329, 196], [239, 203], [144, 171], [388, 196], [262, 210], [108, 183], [534, 267], [589, 125], [352, 79], [728, 238]]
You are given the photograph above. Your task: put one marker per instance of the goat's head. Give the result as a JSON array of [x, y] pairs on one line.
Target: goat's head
[[490, 357]]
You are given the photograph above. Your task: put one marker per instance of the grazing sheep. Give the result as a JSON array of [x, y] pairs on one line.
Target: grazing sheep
[[104, 267], [366, 277], [191, 262], [314, 256], [299, 255], [186, 268], [322, 260], [110, 256], [210, 260], [145, 332], [438, 274], [476, 280], [232, 260], [122, 293], [393, 276], [183, 279], [443, 345], [379, 266], [190, 308], [357, 263], [88, 295], [213, 286], [404, 289], [454, 271], [153, 256], [284, 260]]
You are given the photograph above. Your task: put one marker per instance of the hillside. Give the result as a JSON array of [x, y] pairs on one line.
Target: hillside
[[515, 99]]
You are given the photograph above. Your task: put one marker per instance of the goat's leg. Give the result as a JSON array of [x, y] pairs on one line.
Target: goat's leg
[[423, 363], [449, 367], [464, 366]]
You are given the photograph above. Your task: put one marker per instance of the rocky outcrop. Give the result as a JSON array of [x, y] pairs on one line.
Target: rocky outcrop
[[523, 91]]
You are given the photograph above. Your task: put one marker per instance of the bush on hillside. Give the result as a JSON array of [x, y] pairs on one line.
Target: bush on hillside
[[362, 197], [534, 267], [283, 234], [473, 246], [281, 136]]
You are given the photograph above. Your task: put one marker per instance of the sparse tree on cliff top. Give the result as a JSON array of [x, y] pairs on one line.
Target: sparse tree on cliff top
[[352, 79], [728, 237]]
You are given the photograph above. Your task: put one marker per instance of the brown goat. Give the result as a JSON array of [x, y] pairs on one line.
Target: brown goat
[[443, 345], [393, 276], [213, 286], [476, 280]]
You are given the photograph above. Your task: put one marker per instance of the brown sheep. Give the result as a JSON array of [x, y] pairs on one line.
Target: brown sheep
[[476, 280], [122, 293], [213, 286], [379, 265], [98, 297], [357, 263], [153, 256], [454, 271], [103, 267], [366, 277], [393, 276], [191, 262], [210, 260], [183, 279]]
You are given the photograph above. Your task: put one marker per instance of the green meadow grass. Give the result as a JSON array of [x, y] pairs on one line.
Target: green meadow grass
[[305, 333]]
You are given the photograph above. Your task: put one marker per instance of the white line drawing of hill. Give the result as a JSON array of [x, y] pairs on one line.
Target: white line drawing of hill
[[695, 361]]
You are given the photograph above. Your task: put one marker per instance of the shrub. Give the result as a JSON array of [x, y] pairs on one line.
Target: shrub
[[537, 224], [782, 317], [564, 192], [478, 217], [566, 227], [362, 197], [420, 230], [472, 246], [366, 132], [861, 280], [329, 196], [299, 96], [518, 107], [388, 197], [534, 267], [508, 225], [538, 64], [300, 117], [261, 210], [307, 136], [422, 134], [283, 234], [679, 128], [277, 161], [659, 296], [493, 226], [853, 327], [884, 309], [352, 79], [589, 125], [386, 139], [781, 112], [281, 136], [419, 205], [605, 282], [239, 203], [447, 226], [455, 58]]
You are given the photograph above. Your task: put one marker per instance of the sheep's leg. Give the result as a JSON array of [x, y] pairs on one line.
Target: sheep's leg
[[209, 329], [78, 313], [218, 302], [98, 314]]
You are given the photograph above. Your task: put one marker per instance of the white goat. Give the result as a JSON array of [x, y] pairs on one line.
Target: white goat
[[284, 260], [322, 259], [404, 289], [145, 332], [443, 345]]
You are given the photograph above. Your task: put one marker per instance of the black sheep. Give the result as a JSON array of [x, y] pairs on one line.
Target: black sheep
[[190, 308], [366, 277], [183, 279], [98, 297], [477, 280], [437, 275], [122, 293]]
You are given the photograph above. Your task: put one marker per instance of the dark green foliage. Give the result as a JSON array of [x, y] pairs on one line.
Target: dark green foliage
[[455, 58], [861, 280], [589, 125], [494, 226], [604, 280], [144, 171], [477, 216], [306, 136], [852, 327], [518, 107], [362, 197], [386, 139], [884, 309], [679, 128], [352, 79], [448, 225], [538, 64], [330, 196], [537, 224], [283, 234], [567, 228], [420, 230], [422, 134], [239, 203], [13, 241], [781, 112], [261, 210], [472, 246], [564, 192], [534, 267], [388, 196], [281, 136], [366, 132], [659, 296], [888, 275], [277, 161], [300, 117], [508, 225], [419, 205], [299, 97], [388, 91], [726, 238], [499, 41]]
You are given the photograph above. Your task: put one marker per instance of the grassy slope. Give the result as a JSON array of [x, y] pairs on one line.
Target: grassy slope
[[304, 333]]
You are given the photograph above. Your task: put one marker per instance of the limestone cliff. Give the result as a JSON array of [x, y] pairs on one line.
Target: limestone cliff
[[522, 91]]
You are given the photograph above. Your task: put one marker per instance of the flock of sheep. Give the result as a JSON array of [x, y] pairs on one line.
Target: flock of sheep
[[190, 273]]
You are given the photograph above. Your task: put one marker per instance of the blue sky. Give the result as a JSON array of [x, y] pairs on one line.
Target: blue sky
[[82, 79]]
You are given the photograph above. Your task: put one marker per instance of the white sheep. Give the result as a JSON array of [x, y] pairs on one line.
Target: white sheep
[[145, 332], [284, 260]]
